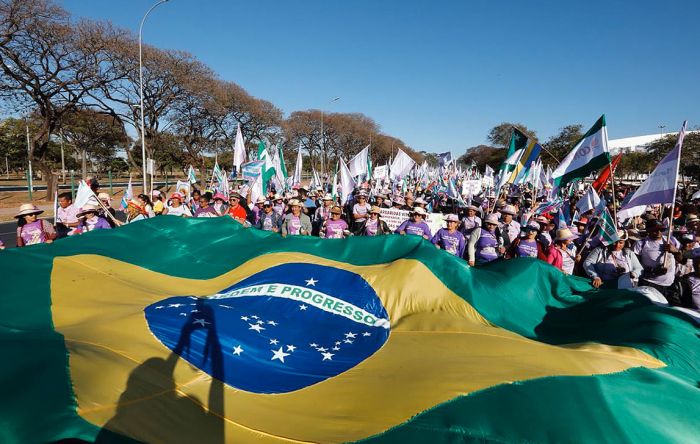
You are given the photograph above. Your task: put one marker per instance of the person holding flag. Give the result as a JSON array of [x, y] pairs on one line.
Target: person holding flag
[[613, 266], [657, 254]]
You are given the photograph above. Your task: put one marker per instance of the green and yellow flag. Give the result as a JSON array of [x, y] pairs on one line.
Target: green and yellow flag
[[185, 330]]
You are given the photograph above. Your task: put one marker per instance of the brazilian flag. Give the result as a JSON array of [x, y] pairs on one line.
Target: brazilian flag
[[183, 330]]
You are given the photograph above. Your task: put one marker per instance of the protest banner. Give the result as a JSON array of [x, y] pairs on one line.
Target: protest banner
[[394, 218]]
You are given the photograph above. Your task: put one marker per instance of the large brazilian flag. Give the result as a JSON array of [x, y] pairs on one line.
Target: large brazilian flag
[[194, 331]]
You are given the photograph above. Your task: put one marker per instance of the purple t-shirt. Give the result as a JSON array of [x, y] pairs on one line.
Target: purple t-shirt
[[453, 243], [418, 229], [32, 233], [98, 223], [294, 226], [335, 228], [371, 227], [206, 212], [527, 248]]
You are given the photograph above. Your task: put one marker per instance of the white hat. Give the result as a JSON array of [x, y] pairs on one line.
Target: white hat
[[451, 218], [508, 209], [327, 197], [27, 209], [294, 203], [419, 210], [472, 207], [420, 201], [491, 219], [565, 234], [88, 208]]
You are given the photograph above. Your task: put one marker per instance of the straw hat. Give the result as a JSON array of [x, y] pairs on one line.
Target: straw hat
[[451, 218], [420, 201], [375, 209], [565, 234], [27, 209], [261, 200], [294, 203], [509, 209], [336, 210], [103, 196], [88, 208], [472, 207], [532, 225], [327, 197], [491, 219], [419, 210]]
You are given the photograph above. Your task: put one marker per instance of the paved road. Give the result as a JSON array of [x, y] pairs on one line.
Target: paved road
[[103, 185], [8, 230]]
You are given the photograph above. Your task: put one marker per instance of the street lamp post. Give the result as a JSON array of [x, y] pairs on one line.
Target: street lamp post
[[323, 139], [143, 132]]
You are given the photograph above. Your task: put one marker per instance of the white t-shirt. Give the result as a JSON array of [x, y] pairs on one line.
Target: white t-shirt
[[182, 210], [652, 255]]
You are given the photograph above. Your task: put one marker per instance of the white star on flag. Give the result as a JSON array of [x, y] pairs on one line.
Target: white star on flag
[[183, 314], [348, 341], [254, 317], [256, 327], [338, 342], [194, 311], [311, 282], [159, 307], [279, 354], [175, 305], [244, 318], [201, 322], [237, 350], [313, 344], [273, 323], [322, 349], [192, 297], [327, 356], [336, 348], [291, 348], [366, 334], [225, 306], [350, 335], [273, 341], [302, 307]]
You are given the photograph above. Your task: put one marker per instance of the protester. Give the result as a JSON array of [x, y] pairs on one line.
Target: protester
[[471, 220], [296, 223], [204, 209], [449, 239], [335, 227], [657, 255], [415, 225], [146, 205], [361, 208], [135, 211], [486, 244], [509, 227], [219, 204], [66, 215], [560, 254], [235, 209], [158, 205], [528, 245], [30, 229], [614, 266], [105, 210], [91, 220], [176, 208], [269, 219]]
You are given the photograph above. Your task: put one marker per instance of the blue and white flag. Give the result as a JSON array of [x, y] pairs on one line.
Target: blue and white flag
[[660, 186], [444, 159]]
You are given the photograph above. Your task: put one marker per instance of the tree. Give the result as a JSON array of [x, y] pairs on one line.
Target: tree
[[499, 136], [94, 136], [48, 66], [483, 155], [559, 145], [690, 154]]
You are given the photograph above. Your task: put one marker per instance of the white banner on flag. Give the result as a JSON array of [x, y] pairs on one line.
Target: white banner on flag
[[471, 187], [380, 172]]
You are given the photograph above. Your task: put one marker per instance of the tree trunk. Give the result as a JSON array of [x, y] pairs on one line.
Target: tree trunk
[[203, 175], [51, 180]]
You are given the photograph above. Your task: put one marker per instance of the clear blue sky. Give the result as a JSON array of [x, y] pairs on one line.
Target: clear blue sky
[[440, 74]]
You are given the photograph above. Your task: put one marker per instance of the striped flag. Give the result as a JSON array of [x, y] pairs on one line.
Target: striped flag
[[608, 229], [588, 155]]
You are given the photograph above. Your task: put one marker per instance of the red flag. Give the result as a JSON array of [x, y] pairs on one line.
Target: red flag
[[605, 173]]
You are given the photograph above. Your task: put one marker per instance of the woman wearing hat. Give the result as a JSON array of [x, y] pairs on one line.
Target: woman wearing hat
[[471, 220], [278, 205], [91, 220], [235, 209], [486, 244], [158, 205], [563, 253], [335, 227], [205, 209], [219, 204], [296, 223], [360, 209], [528, 245], [176, 208], [415, 225], [509, 227], [30, 229], [613, 266], [374, 225], [323, 213], [449, 239], [146, 204], [269, 219]]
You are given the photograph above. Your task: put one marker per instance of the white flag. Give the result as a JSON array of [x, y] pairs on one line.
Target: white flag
[[256, 189], [359, 165], [590, 201], [84, 196], [238, 150], [401, 165], [296, 181], [347, 184]]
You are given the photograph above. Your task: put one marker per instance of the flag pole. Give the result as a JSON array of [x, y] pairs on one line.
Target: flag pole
[[612, 181], [675, 180]]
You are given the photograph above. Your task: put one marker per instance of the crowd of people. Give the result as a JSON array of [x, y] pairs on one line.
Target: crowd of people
[[486, 228]]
